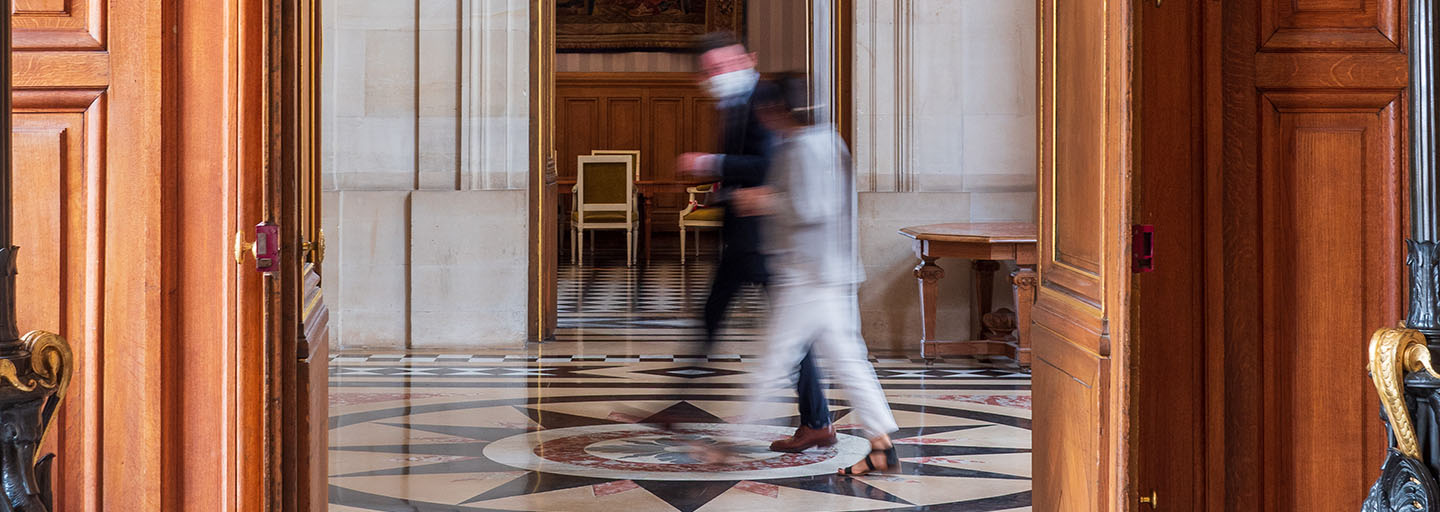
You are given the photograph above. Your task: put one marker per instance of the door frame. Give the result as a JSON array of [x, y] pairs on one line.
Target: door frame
[[542, 296]]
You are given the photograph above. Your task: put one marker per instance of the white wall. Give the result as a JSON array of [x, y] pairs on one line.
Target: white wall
[[426, 165], [945, 132], [426, 119]]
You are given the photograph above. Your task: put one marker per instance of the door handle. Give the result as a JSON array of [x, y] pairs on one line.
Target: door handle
[[265, 249], [1153, 500], [318, 246]]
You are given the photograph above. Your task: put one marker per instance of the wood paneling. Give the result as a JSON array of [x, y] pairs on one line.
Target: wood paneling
[[1310, 257], [1168, 304], [59, 24], [166, 408], [1331, 24], [660, 114], [1081, 314]]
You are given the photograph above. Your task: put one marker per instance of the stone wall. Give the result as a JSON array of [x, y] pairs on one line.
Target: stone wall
[[944, 132], [426, 139], [426, 127]]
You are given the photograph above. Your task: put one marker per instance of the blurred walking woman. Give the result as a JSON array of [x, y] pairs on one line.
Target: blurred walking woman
[[810, 238]]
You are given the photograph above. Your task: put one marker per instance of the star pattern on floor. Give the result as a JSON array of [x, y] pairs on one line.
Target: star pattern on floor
[[449, 446]]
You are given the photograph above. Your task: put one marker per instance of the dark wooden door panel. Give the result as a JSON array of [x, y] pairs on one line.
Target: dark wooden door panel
[[1169, 303], [1311, 256], [1332, 24], [1330, 190]]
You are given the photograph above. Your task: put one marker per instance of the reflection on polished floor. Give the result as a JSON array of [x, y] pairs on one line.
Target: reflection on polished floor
[[563, 426]]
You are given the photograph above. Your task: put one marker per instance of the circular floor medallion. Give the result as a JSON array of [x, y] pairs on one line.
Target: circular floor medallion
[[642, 452]]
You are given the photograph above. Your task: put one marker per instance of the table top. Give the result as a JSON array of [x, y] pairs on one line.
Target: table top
[[975, 233]]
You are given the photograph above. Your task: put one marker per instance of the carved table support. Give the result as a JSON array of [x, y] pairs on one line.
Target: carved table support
[[928, 275], [1025, 280]]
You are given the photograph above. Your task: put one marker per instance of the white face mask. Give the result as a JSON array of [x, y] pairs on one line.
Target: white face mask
[[729, 85]]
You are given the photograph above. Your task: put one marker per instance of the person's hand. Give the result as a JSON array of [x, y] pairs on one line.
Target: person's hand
[[693, 164], [754, 201]]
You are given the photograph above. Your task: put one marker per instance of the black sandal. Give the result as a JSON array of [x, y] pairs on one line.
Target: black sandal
[[892, 460]]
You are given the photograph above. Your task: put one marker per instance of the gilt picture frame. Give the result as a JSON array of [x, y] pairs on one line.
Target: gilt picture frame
[[642, 25]]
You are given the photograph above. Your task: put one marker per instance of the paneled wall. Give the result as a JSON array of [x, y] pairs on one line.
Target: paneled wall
[[1314, 190], [660, 114], [775, 30]]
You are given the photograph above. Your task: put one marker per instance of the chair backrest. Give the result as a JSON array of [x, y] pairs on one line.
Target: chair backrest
[[603, 183]]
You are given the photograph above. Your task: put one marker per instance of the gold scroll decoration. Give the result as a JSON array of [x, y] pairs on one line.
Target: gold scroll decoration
[[1393, 353]]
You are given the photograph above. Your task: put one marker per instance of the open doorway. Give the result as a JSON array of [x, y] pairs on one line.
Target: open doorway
[[435, 406]]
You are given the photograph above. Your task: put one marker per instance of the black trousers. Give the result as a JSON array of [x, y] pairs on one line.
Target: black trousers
[[734, 272]]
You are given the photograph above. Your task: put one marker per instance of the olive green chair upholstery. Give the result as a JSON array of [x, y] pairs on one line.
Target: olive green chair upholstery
[[605, 199], [696, 216]]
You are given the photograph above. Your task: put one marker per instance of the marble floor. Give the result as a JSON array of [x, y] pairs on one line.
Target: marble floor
[[564, 426]]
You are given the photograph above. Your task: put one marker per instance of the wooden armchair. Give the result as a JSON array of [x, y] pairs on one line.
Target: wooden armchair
[[604, 199], [696, 216]]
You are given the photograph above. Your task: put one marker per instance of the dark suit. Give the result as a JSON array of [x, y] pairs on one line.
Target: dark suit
[[746, 146]]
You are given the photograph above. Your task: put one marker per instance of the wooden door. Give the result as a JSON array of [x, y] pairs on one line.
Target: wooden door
[[1081, 323], [1169, 189], [298, 312], [1313, 204]]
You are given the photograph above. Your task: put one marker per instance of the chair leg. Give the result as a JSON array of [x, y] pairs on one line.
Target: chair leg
[[573, 253], [581, 247], [629, 248], [682, 245]]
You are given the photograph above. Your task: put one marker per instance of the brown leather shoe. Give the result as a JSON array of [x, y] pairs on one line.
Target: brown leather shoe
[[805, 438]]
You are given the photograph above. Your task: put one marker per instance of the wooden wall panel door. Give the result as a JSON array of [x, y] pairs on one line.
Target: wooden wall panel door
[[134, 267], [666, 135], [61, 75], [1314, 216], [580, 122], [54, 206], [1168, 326], [1081, 311]]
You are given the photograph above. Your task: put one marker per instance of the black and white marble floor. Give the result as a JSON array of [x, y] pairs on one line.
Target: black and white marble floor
[[562, 427]]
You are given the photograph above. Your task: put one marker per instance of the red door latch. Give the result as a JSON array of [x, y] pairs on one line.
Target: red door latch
[[1142, 248]]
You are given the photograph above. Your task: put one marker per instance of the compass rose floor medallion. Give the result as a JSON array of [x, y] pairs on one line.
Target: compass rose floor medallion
[[446, 440]]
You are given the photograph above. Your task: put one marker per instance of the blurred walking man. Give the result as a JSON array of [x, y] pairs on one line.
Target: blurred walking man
[[730, 77]]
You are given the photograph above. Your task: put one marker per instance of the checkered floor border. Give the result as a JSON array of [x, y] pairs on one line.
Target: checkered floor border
[[343, 357]]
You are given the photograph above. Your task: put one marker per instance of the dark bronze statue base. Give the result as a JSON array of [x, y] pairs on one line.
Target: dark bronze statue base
[[32, 385], [1404, 484]]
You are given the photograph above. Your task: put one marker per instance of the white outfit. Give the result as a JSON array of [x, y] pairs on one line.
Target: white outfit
[[811, 244]]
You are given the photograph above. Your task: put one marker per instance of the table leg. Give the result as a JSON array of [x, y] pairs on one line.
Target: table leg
[[928, 275], [1025, 281], [984, 294]]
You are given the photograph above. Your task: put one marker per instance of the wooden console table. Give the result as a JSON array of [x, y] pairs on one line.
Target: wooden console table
[[986, 244]]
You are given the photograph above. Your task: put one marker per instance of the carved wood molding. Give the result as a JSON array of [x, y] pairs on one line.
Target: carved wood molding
[[56, 100]]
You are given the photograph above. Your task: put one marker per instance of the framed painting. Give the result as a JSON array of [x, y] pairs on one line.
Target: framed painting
[[642, 25]]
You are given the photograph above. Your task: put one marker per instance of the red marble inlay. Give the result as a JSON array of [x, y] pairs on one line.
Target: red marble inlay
[[611, 488], [767, 490], [920, 440], [1014, 401], [572, 450]]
